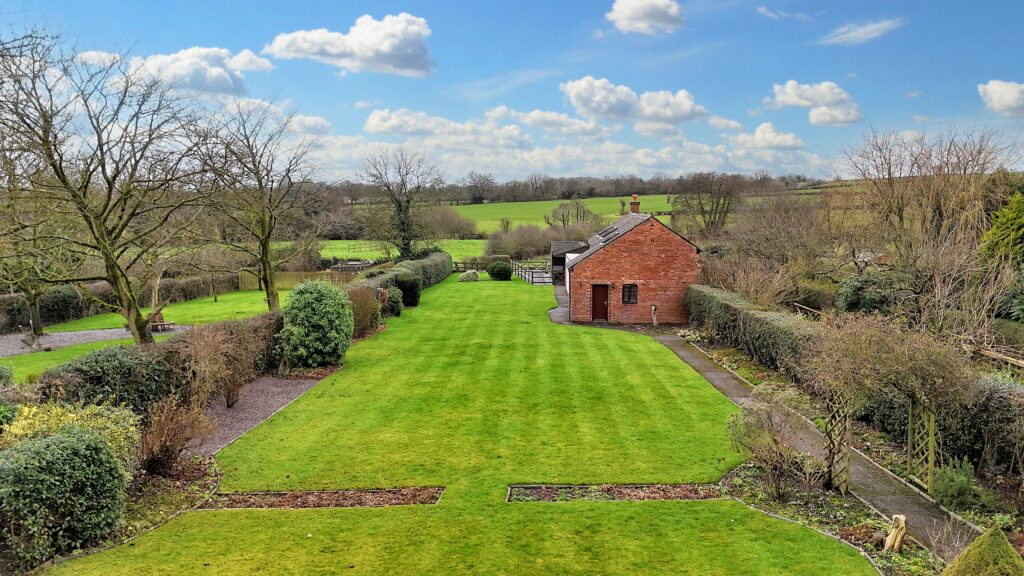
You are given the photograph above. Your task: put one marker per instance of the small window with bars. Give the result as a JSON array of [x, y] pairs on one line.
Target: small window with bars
[[629, 293]]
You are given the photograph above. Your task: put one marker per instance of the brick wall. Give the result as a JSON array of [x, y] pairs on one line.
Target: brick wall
[[651, 256]]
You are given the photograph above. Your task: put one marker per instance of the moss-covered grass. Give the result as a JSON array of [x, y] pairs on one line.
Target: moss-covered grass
[[243, 304], [475, 390]]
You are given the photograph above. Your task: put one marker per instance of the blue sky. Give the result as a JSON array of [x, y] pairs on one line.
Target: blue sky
[[599, 87]]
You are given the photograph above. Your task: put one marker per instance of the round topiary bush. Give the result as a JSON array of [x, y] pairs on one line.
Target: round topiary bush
[[394, 304], [469, 276], [59, 493], [500, 271], [318, 325]]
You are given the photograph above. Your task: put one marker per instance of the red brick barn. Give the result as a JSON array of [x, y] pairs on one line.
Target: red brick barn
[[635, 271]]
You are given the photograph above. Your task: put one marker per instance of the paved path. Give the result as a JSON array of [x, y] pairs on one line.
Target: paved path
[[869, 482]]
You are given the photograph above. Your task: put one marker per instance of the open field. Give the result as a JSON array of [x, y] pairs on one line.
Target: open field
[[35, 363], [475, 390], [230, 305], [488, 216], [365, 250]]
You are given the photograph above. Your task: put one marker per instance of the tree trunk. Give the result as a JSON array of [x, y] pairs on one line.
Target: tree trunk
[[138, 324], [34, 315], [267, 277]]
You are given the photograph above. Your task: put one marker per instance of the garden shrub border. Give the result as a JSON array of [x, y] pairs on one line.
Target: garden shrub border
[[779, 339]]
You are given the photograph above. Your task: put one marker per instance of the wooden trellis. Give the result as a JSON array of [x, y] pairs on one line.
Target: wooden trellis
[[922, 445], [837, 431]]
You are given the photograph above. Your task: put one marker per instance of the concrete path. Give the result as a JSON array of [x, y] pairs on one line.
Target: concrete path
[[13, 344], [878, 488]]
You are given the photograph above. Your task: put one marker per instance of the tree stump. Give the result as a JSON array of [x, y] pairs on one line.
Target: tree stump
[[894, 541]]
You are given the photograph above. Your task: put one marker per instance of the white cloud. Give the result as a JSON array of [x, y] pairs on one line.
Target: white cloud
[[1006, 98], [646, 16], [829, 104], [912, 94], [723, 123], [781, 15], [97, 57], [361, 104], [600, 99], [213, 70], [304, 124], [920, 118], [664, 106], [436, 131], [852, 34], [597, 34], [766, 137], [657, 130], [551, 122], [248, 60], [392, 45]]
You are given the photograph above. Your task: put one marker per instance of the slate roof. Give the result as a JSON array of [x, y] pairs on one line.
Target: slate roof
[[610, 234], [563, 247], [614, 232]]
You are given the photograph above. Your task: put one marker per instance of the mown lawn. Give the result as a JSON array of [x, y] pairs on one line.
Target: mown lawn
[[475, 390], [242, 304], [35, 363], [361, 249]]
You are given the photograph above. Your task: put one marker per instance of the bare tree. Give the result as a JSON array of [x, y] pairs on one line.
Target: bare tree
[[263, 170], [931, 200], [118, 152], [401, 177], [702, 202]]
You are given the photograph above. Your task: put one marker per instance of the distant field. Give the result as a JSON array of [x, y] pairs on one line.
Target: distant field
[[488, 216], [362, 249]]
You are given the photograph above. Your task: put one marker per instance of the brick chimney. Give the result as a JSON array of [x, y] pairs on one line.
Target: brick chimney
[[634, 205]]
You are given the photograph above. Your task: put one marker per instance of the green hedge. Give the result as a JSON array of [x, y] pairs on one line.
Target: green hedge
[[411, 276], [318, 325], [775, 339], [59, 493], [138, 376]]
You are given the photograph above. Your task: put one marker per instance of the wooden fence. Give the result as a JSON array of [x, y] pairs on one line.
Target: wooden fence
[[533, 271], [289, 280]]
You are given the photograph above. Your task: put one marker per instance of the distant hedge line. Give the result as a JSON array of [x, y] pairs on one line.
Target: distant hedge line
[[986, 431], [64, 302]]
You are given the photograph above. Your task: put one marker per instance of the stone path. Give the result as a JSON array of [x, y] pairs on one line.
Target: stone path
[[13, 344], [872, 484]]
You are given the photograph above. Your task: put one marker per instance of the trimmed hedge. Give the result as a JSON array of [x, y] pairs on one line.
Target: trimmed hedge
[[775, 339], [985, 431], [394, 306], [410, 276], [139, 376], [132, 376], [59, 493], [61, 303], [991, 554], [13, 312], [501, 271]]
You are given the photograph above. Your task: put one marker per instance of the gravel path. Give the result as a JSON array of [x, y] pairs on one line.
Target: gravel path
[[257, 401], [12, 344]]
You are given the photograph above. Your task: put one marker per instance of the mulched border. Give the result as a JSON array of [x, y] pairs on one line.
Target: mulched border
[[413, 495], [611, 492]]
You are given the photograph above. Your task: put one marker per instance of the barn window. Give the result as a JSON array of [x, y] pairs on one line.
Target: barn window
[[629, 293]]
